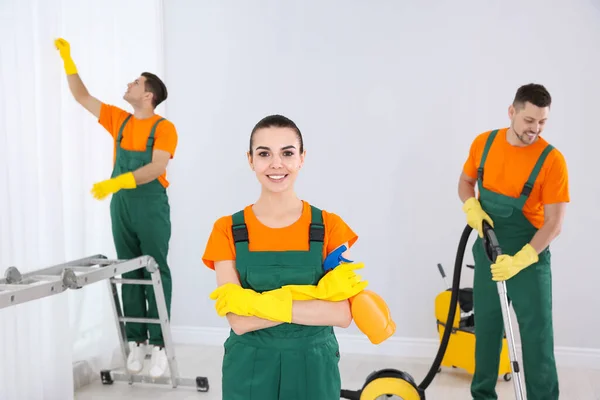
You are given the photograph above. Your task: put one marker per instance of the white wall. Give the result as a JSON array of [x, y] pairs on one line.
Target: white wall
[[389, 97]]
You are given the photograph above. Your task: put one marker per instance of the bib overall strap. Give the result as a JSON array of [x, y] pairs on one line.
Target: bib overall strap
[[316, 234], [239, 231], [486, 150], [120, 136], [150, 142], [533, 176]]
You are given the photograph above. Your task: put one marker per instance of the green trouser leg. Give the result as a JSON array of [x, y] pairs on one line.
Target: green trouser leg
[[272, 369], [154, 230], [141, 226], [530, 293], [127, 246]]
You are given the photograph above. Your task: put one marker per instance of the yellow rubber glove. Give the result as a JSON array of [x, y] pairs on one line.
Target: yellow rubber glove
[[507, 266], [341, 283], [274, 305], [64, 49], [124, 181], [476, 215]]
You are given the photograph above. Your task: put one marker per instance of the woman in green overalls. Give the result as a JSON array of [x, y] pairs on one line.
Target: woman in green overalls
[[280, 348]]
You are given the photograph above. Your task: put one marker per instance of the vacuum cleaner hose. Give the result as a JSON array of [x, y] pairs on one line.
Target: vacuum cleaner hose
[[460, 253], [350, 394]]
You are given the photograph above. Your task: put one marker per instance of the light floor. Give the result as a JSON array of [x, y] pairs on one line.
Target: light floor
[[450, 384]]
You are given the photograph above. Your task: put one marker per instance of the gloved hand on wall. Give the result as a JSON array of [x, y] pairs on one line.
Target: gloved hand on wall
[[476, 215], [274, 305], [64, 49]]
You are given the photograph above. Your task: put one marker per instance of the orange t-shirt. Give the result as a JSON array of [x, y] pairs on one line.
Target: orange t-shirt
[[137, 131], [221, 247], [508, 167]]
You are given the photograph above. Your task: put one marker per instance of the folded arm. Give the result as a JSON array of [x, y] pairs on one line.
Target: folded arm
[[311, 312], [226, 273], [322, 313]]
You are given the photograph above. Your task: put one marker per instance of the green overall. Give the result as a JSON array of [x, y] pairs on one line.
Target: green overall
[[141, 225], [530, 292], [287, 361]]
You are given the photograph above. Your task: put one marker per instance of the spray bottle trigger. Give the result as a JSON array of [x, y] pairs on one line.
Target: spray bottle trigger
[[335, 258]]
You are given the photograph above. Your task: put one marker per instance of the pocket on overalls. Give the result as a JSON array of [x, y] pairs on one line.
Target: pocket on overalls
[[237, 369], [498, 210], [134, 163], [261, 278], [323, 378], [544, 260]]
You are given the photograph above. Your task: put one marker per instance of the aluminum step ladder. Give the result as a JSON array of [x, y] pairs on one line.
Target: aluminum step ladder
[[17, 288]]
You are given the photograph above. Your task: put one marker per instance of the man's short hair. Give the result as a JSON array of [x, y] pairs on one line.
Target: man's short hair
[[533, 93], [155, 86]]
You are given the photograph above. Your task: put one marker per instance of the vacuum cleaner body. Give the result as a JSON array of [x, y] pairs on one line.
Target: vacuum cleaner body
[[460, 352]]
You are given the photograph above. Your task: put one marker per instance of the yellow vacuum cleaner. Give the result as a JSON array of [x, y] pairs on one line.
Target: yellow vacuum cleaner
[[460, 352], [391, 382]]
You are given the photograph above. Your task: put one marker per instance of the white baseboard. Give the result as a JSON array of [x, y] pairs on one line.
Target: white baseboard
[[395, 346]]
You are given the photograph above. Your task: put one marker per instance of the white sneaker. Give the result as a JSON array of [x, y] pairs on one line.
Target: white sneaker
[[158, 362], [137, 354]]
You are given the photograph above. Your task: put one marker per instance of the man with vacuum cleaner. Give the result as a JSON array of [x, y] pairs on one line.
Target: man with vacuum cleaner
[[523, 188]]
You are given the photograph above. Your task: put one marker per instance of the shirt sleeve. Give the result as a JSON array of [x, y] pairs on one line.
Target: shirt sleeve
[[470, 165], [111, 118], [555, 188], [337, 232], [165, 137], [220, 245]]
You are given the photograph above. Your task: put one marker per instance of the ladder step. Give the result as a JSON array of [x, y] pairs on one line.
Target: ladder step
[[131, 281], [35, 280], [45, 278], [17, 288], [83, 269], [140, 320], [105, 261], [6, 288]]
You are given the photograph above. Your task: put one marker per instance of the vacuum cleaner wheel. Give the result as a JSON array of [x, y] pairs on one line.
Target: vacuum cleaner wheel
[[390, 382]]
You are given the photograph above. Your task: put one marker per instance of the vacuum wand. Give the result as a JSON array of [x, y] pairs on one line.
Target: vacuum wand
[[493, 250]]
